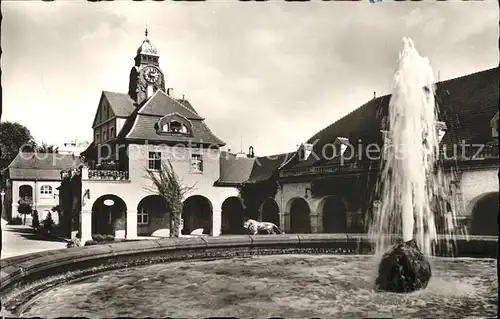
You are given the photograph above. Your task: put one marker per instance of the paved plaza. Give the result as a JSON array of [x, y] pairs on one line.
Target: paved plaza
[[21, 240]]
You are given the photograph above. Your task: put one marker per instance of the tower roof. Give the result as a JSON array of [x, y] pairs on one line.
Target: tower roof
[[147, 47]]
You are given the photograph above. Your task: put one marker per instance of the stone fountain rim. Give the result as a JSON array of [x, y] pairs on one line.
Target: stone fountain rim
[[45, 269]]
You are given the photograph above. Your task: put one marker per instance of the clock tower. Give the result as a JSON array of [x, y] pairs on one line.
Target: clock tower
[[146, 76]]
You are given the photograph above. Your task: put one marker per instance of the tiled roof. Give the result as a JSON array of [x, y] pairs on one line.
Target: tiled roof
[[234, 170], [121, 104], [265, 166], [144, 128], [187, 104], [239, 170], [161, 104], [40, 166], [466, 105]]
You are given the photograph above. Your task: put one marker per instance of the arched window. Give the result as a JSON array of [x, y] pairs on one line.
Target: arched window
[[46, 190], [175, 127], [142, 217]]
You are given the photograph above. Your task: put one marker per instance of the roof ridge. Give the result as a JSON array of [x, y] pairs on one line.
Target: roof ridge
[[182, 105], [468, 74], [187, 101]]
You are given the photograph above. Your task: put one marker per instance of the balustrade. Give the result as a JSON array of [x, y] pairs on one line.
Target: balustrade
[[108, 174]]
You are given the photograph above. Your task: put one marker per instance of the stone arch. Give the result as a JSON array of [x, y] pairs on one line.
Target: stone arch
[[300, 212], [270, 211], [333, 210], [232, 211], [25, 191], [152, 214], [484, 214], [197, 212], [107, 212]]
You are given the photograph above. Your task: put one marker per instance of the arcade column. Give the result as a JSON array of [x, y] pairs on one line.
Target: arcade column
[[85, 226], [131, 231]]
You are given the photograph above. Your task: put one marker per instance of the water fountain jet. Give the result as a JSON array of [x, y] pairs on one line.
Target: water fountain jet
[[408, 177]]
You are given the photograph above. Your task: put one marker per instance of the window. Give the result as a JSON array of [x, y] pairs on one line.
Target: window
[[112, 132], [196, 163], [46, 190], [97, 140], [175, 127], [154, 161], [107, 112], [142, 217], [104, 136]]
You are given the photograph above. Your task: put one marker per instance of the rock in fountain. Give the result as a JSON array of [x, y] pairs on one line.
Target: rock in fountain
[[403, 268], [407, 178]]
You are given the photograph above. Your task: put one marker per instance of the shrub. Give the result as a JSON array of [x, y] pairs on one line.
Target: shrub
[[91, 243], [35, 223], [103, 238], [48, 223], [16, 221], [25, 207], [75, 242]]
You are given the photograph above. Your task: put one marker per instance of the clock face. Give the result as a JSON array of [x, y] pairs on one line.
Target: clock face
[[151, 74]]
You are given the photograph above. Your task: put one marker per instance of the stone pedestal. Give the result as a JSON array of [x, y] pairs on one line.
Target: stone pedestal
[[131, 230], [85, 226], [119, 234]]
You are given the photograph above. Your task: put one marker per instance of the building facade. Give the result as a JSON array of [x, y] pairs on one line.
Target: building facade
[[35, 177], [137, 133], [314, 190]]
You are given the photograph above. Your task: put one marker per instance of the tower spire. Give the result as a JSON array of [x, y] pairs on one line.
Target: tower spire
[[146, 32]]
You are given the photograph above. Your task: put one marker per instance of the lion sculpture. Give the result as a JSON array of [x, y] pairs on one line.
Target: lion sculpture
[[254, 227]]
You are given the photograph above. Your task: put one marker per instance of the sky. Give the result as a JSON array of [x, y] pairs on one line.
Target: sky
[[268, 74]]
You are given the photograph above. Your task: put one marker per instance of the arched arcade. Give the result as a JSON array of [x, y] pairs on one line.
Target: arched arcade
[[232, 211], [197, 214], [300, 220], [108, 214]]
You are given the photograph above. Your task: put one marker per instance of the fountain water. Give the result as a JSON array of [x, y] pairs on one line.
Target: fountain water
[[410, 183]]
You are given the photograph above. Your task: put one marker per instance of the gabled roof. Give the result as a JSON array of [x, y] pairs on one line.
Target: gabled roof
[[141, 124], [161, 104], [121, 104], [40, 166], [144, 129]]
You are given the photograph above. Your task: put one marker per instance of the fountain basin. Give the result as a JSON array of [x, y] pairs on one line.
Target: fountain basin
[[26, 278]]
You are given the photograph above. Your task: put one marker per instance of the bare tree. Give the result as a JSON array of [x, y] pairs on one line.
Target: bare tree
[[170, 187]]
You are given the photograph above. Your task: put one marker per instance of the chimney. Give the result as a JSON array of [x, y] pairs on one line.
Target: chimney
[[374, 94], [250, 152], [170, 92], [183, 97]]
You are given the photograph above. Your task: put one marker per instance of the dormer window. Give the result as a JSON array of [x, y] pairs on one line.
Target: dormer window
[[174, 124], [176, 127]]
